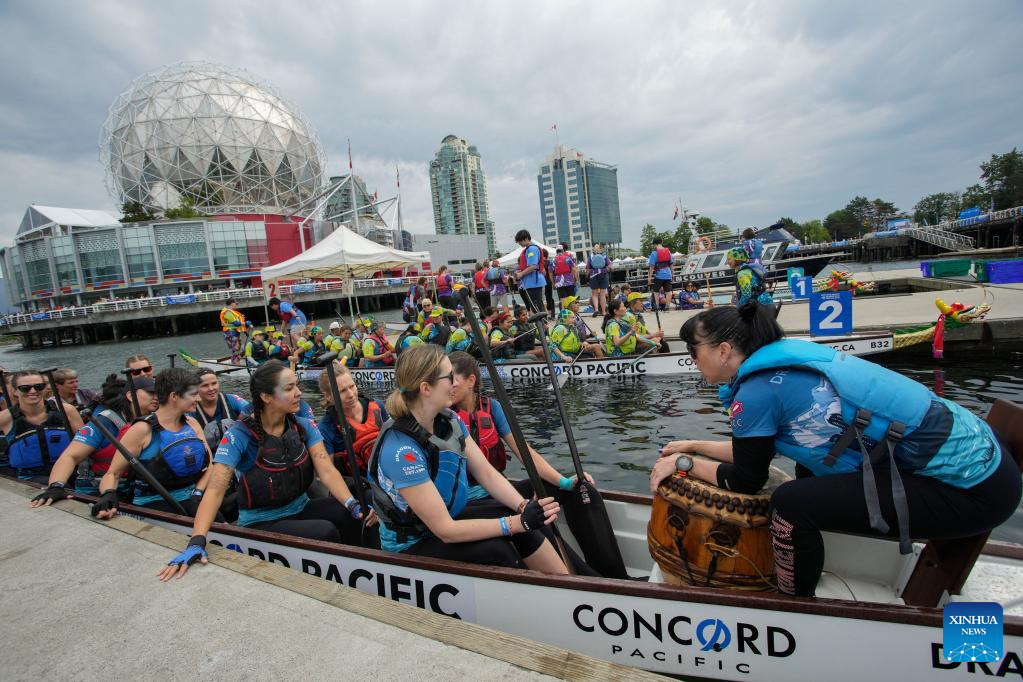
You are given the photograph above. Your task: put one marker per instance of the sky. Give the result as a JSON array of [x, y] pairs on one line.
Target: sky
[[743, 111]]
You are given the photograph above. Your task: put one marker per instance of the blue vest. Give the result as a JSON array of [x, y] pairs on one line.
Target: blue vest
[[36, 447], [965, 459], [180, 460]]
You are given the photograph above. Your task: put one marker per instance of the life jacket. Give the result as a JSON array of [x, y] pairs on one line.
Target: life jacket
[[541, 267], [663, 257], [181, 460], [363, 435], [759, 277], [562, 264], [214, 429], [567, 339], [283, 469], [447, 435], [407, 340], [314, 351], [283, 351], [480, 280], [380, 345], [879, 409], [483, 430], [36, 447], [443, 287], [260, 352], [598, 261], [100, 460], [493, 274], [231, 320], [436, 333], [626, 348], [505, 352], [524, 340]]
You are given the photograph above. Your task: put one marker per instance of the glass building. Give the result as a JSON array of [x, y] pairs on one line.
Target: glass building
[[65, 257], [459, 188], [578, 201]]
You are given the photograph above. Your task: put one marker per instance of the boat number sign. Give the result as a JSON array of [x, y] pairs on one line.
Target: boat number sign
[[831, 313]]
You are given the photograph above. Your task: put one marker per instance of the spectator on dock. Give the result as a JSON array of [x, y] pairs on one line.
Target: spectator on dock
[[659, 276], [598, 274], [531, 272], [481, 286], [497, 280], [445, 288], [564, 272]]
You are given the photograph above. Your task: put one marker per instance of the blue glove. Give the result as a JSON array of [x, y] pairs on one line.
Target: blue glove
[[196, 550]]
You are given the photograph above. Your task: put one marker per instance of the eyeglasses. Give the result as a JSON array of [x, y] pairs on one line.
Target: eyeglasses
[[450, 376], [28, 388], [141, 370], [691, 347]]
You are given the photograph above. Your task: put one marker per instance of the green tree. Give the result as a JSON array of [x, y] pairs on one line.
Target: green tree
[[646, 238], [936, 208], [842, 224], [975, 195], [814, 232], [134, 212], [681, 238], [1003, 179], [185, 210]]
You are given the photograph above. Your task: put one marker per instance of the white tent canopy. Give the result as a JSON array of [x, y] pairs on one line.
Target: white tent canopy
[[342, 254], [512, 259]]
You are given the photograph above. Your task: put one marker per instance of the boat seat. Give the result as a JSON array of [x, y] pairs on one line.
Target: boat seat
[[944, 565]]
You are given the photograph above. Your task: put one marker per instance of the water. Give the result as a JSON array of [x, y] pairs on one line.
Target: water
[[618, 425]]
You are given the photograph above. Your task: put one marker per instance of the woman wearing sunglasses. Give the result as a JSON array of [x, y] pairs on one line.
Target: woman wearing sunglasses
[[35, 429], [139, 366], [419, 477]]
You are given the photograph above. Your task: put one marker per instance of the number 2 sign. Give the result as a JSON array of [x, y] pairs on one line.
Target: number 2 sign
[[831, 313]]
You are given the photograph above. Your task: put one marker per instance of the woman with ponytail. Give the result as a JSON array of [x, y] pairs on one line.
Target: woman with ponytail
[[274, 453], [419, 472], [876, 452]]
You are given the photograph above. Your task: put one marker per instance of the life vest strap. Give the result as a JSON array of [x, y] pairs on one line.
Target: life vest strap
[[851, 433]]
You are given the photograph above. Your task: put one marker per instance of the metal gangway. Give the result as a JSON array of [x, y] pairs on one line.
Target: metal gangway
[[943, 239]]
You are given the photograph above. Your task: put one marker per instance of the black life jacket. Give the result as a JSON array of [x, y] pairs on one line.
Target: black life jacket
[[36, 447], [181, 460], [447, 435], [213, 429], [505, 352], [283, 469], [260, 352]]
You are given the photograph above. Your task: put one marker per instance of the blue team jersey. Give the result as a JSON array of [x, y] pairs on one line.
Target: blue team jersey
[[402, 464], [305, 411], [478, 492], [536, 278], [238, 450], [659, 273]]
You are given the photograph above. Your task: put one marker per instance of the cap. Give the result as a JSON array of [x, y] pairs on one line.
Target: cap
[[335, 325], [315, 330], [278, 335], [144, 384], [259, 332], [270, 329], [568, 300], [437, 312], [636, 296], [738, 254], [564, 315]]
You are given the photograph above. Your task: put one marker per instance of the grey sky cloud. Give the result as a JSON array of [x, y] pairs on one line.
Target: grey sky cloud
[[747, 111]]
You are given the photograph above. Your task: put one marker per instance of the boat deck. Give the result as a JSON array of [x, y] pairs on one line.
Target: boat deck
[[82, 600]]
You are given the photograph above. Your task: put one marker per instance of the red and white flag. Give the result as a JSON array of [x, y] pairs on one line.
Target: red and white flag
[[349, 154], [676, 212], [374, 195]]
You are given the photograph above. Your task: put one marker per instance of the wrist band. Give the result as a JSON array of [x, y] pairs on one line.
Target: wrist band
[[505, 530], [349, 502], [566, 483], [57, 484], [197, 493]]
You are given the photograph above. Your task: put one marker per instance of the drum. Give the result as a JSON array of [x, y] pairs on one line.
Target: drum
[[706, 536]]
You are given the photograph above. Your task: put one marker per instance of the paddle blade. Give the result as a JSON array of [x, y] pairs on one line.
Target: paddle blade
[[187, 358], [563, 379], [587, 518]]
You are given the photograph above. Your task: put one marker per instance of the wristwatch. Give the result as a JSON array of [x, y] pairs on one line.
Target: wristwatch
[[683, 465]]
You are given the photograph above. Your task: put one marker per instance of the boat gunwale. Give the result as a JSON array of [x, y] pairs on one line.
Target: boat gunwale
[[836, 608]]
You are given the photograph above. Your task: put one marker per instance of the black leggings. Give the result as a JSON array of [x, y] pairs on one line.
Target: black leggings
[[191, 506], [801, 509], [323, 519]]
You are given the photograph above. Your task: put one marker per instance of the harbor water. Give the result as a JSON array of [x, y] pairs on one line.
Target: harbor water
[[618, 424]]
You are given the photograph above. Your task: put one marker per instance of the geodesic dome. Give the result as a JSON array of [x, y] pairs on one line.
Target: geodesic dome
[[210, 134]]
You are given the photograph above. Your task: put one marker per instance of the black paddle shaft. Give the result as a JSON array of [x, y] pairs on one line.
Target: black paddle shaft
[[171, 357], [130, 376], [502, 397], [576, 463], [48, 373], [656, 306], [139, 468], [342, 425]]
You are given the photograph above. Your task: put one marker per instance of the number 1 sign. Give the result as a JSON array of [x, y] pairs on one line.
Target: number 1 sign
[[831, 313]]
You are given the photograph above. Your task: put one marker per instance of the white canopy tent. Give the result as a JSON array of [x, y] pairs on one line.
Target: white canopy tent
[[512, 259], [343, 254]]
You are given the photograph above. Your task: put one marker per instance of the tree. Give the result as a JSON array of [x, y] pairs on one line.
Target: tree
[[842, 224], [869, 215], [814, 232], [975, 195], [134, 212], [185, 210], [681, 238], [646, 238], [1003, 179], [937, 208]]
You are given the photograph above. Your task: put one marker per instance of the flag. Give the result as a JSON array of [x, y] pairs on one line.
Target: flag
[[349, 154], [676, 212], [397, 176], [374, 195], [554, 127]]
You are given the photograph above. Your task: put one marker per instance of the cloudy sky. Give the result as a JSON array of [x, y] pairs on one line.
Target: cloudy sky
[[747, 111]]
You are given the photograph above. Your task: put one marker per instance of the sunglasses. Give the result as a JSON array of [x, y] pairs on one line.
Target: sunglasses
[[450, 376], [141, 370], [28, 388]]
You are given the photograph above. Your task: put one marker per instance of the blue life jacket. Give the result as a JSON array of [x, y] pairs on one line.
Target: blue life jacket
[[598, 261], [880, 408], [447, 436], [36, 447], [180, 461]]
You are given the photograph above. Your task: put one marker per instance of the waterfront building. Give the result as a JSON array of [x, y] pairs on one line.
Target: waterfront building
[[578, 201], [459, 252], [370, 224], [63, 257], [458, 184]]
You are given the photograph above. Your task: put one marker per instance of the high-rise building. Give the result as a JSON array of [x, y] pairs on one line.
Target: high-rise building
[[578, 201], [459, 187], [370, 223]]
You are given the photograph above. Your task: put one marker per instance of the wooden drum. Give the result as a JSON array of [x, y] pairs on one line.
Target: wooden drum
[[706, 536]]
